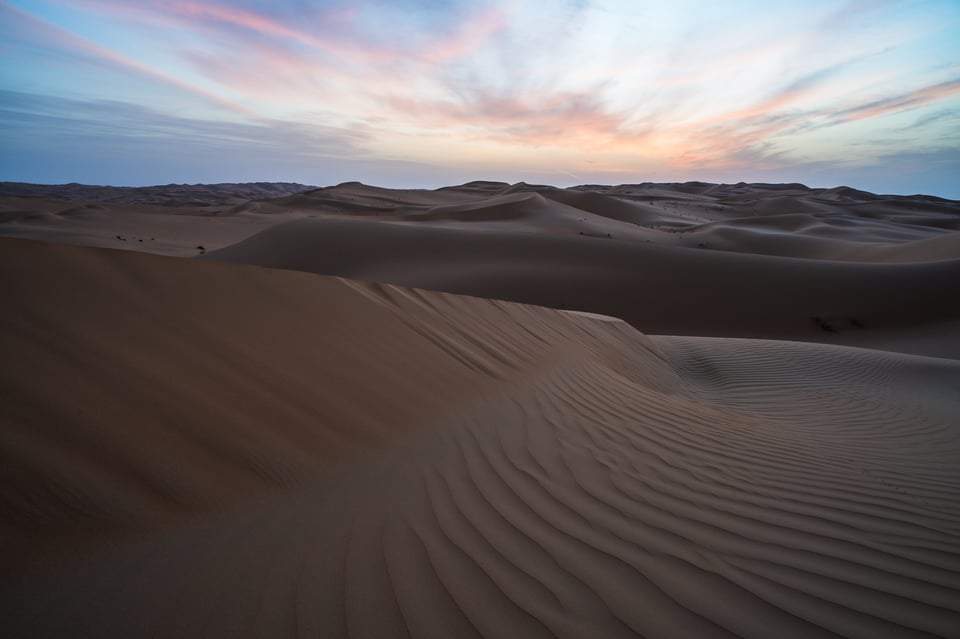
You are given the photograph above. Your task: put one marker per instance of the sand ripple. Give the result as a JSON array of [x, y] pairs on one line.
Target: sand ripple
[[572, 478]]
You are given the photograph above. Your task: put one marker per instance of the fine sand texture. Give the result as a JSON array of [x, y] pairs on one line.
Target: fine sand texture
[[490, 410]]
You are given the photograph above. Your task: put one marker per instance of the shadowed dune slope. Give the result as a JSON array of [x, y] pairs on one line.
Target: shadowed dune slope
[[221, 450], [789, 220], [908, 306]]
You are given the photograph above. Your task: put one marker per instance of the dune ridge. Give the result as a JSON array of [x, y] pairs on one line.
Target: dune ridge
[[212, 449], [791, 220], [485, 410], [907, 306], [167, 195]]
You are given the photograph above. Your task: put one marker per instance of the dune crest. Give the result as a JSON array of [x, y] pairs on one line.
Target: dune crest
[[350, 459], [902, 306]]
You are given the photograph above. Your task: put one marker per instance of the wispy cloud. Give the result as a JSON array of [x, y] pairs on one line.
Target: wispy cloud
[[341, 30], [45, 115], [561, 118], [901, 102], [682, 85], [55, 36], [113, 142]]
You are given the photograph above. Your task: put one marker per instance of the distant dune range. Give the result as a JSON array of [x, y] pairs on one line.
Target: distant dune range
[[178, 195], [689, 259], [519, 411], [672, 272]]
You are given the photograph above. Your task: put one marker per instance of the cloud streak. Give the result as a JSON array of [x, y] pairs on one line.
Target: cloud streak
[[898, 103], [613, 84], [75, 44], [39, 115]]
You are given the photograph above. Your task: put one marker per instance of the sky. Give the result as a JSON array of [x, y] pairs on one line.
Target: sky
[[422, 94]]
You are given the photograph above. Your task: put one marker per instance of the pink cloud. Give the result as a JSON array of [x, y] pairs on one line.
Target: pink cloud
[[334, 63], [581, 121], [570, 118], [714, 141], [476, 32], [199, 13], [902, 102], [335, 32], [267, 59], [58, 37]]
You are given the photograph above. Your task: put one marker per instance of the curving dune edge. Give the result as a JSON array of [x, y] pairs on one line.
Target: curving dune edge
[[195, 448]]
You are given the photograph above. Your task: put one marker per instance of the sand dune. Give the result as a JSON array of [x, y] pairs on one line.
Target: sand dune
[[349, 459], [180, 231], [691, 259], [650, 415], [176, 219], [659, 289], [770, 219], [178, 195]]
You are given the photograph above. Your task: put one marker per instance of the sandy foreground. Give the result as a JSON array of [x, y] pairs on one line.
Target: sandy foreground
[[660, 410]]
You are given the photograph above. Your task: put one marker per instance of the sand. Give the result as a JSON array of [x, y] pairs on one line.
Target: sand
[[470, 412], [176, 219]]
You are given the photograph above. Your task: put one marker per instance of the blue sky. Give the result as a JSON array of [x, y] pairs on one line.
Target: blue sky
[[429, 93]]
